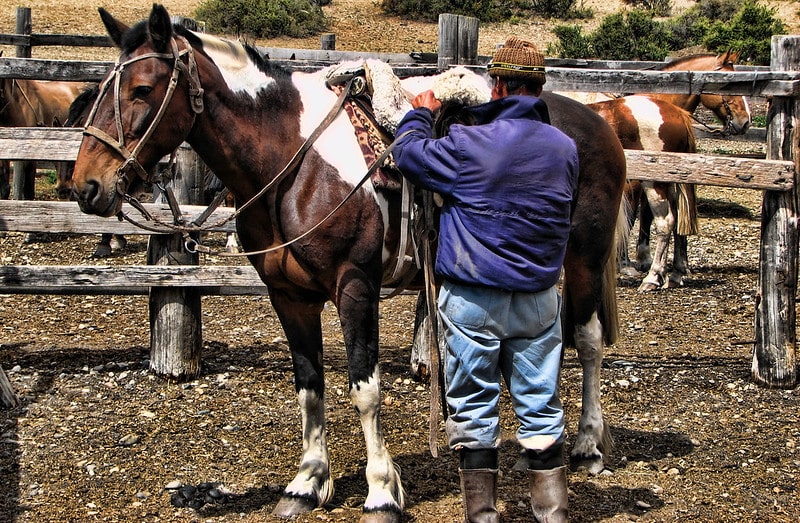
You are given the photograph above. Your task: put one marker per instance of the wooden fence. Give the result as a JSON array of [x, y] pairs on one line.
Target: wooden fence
[[176, 354]]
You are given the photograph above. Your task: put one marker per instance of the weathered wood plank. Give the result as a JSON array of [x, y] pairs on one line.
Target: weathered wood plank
[[40, 143], [54, 217], [723, 171], [8, 399], [21, 278], [211, 280], [752, 83]]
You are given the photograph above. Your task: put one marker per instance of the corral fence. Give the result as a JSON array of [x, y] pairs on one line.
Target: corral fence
[[174, 280]]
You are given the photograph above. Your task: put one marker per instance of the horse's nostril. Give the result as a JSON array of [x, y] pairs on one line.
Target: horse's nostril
[[87, 193]]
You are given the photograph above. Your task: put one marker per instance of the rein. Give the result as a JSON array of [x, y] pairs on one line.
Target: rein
[[191, 244]]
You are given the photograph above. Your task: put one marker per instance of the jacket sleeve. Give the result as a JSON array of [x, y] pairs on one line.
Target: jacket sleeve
[[431, 163]]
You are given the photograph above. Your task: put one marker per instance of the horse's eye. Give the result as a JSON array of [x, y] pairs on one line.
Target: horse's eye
[[142, 91]]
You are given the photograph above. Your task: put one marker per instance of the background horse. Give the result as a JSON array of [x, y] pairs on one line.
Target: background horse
[[644, 123], [33, 103], [734, 114], [265, 133]]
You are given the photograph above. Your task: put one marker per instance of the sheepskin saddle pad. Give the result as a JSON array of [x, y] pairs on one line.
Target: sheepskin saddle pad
[[379, 99]]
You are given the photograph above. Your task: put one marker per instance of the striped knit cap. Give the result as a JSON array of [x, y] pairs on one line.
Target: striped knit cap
[[518, 59]]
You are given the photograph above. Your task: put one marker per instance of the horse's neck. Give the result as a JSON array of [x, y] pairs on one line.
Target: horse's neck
[[687, 102], [237, 151]]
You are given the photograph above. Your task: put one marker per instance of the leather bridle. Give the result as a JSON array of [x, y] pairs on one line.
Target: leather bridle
[[131, 158]]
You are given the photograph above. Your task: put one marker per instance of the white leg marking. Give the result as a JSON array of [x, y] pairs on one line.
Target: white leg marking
[[385, 488], [313, 477], [591, 429]]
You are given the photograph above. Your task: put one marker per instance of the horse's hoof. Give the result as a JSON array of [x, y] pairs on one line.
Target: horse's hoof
[[102, 251], [630, 271], [291, 506], [380, 516], [592, 464], [117, 244], [648, 287]]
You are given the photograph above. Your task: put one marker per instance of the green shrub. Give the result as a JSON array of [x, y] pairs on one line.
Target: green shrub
[[632, 36], [263, 18], [719, 10], [657, 7], [744, 27], [572, 42], [484, 10], [749, 32]]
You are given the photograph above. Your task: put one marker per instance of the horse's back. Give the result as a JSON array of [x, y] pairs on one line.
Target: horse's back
[[602, 159]]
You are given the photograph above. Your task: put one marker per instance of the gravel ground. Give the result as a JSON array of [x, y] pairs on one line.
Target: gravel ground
[[99, 438]]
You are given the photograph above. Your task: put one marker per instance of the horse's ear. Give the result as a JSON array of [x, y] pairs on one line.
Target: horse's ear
[[114, 27], [160, 28]]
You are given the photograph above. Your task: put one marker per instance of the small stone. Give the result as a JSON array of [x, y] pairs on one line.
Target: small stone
[[173, 485], [642, 505], [129, 440]]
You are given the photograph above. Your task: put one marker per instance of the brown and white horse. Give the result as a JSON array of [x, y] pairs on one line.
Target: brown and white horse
[[248, 119], [32, 103], [644, 123]]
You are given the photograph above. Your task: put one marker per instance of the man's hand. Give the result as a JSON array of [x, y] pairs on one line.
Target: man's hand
[[428, 100]]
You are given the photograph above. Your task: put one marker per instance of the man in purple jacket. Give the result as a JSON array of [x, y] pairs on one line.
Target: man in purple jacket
[[508, 184]]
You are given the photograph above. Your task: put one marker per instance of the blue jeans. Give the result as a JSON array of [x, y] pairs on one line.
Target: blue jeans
[[492, 333]]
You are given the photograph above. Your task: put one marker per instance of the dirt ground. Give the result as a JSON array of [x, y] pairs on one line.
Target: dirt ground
[[99, 438]]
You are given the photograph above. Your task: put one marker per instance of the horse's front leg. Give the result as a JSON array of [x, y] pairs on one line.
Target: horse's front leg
[[664, 220], [312, 486], [358, 312]]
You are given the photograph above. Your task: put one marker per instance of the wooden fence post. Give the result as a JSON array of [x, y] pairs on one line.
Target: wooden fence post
[[176, 336], [7, 397], [458, 40], [774, 354], [327, 42], [24, 172]]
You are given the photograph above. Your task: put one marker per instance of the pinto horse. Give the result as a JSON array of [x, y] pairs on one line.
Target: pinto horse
[[267, 133], [32, 103], [644, 123]]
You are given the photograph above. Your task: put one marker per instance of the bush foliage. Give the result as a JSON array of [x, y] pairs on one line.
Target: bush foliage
[[263, 18], [717, 25], [484, 10]]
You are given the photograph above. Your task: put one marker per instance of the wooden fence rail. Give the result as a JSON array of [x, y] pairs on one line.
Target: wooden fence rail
[[774, 362]]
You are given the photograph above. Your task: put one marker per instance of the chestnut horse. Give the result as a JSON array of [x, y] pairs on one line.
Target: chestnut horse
[[264, 132], [32, 103], [732, 111], [645, 123]]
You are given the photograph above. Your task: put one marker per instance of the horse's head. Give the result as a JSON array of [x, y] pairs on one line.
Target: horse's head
[[145, 108], [732, 111]]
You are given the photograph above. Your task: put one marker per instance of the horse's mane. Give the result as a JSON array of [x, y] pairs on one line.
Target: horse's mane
[[81, 105], [239, 54], [684, 59]]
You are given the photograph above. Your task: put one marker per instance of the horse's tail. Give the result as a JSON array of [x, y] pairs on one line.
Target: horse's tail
[[609, 315], [687, 198]]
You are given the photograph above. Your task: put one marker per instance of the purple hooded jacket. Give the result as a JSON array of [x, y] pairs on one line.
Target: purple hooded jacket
[[507, 183]]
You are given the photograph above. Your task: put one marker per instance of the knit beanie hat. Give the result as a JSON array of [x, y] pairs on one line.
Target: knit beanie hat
[[518, 59]]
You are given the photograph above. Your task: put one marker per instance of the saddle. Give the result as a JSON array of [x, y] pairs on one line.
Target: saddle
[[374, 134]]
